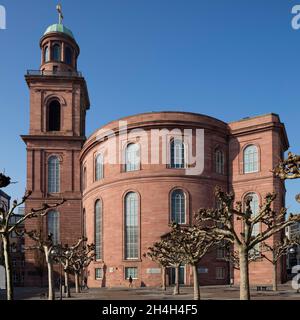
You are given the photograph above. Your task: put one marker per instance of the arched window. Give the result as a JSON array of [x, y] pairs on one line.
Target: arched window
[[177, 153], [99, 167], [54, 116], [84, 178], [46, 54], [178, 207], [219, 161], [250, 159], [56, 53], [254, 204], [98, 230], [132, 157], [131, 226], [84, 223], [53, 226], [68, 56], [53, 175]]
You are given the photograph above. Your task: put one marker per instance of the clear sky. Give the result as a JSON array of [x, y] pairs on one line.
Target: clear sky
[[228, 59]]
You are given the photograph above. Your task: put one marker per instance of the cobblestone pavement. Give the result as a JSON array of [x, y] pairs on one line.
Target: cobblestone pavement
[[207, 293]]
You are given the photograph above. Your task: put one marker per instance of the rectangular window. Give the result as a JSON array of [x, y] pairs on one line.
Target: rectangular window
[[99, 273], [133, 272], [220, 273], [220, 253]]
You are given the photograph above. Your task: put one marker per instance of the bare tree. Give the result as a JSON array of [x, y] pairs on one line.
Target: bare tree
[[168, 254], [157, 254], [81, 260], [64, 255], [245, 239], [194, 243], [288, 169], [46, 246], [7, 226], [277, 250]]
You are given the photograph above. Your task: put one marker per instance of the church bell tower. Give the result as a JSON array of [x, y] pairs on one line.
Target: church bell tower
[[58, 104]]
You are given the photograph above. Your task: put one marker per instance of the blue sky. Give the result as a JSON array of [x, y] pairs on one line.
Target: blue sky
[[228, 59]]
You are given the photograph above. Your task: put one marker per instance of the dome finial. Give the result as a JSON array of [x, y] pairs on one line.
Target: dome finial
[[60, 14]]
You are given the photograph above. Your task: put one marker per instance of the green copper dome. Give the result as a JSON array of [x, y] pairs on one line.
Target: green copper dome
[[59, 28]]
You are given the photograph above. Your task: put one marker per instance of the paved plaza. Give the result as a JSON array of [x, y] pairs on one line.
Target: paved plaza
[[207, 293]]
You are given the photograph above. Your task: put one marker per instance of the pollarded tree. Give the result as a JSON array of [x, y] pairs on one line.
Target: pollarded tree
[[45, 245], [80, 261], [167, 253], [277, 250], [194, 243], [8, 225], [64, 255], [244, 240], [157, 254]]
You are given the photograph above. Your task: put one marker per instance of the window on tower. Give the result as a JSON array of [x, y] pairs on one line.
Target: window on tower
[[46, 54], [53, 226], [54, 116], [56, 52], [68, 55], [53, 175]]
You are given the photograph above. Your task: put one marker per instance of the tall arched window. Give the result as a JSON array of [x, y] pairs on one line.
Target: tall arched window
[[68, 56], [131, 226], [53, 175], [54, 116], [254, 204], [84, 178], [178, 207], [56, 53], [177, 153], [99, 167], [47, 54], [250, 159], [132, 157], [53, 226], [84, 223], [219, 161], [98, 230]]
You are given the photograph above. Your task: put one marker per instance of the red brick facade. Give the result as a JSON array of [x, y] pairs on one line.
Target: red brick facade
[[153, 183]]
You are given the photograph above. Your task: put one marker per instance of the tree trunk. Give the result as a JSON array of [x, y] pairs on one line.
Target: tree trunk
[[77, 286], [51, 291], [164, 286], [244, 275], [67, 287], [275, 280], [176, 287], [196, 283], [7, 261]]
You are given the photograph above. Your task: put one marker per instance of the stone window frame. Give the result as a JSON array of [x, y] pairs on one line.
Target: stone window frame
[[60, 158], [138, 259], [242, 168], [259, 198], [170, 139], [99, 199], [187, 205], [96, 156], [221, 149], [124, 156]]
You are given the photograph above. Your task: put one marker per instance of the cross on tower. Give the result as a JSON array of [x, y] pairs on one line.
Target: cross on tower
[[60, 14]]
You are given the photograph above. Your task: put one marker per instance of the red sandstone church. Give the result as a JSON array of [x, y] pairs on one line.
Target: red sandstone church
[[122, 192]]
